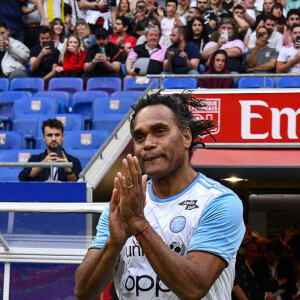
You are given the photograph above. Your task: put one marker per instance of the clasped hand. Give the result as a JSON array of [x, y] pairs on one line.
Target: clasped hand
[[126, 216]]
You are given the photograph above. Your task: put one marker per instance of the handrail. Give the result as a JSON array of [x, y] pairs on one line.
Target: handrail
[[50, 165]]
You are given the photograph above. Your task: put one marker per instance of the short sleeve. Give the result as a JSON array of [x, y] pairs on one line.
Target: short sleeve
[[282, 55], [221, 227], [102, 230], [132, 55]]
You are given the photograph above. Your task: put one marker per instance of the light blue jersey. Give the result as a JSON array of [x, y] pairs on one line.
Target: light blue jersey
[[205, 216]]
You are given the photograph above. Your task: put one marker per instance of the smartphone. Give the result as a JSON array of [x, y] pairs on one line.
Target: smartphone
[[49, 44], [137, 70], [224, 34], [141, 7], [176, 51], [298, 39], [101, 50], [1, 41], [57, 150], [260, 35]]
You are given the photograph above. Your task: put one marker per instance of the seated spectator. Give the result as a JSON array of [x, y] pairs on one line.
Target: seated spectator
[[250, 10], [293, 18], [153, 10], [72, 58], [123, 10], [172, 19], [288, 60], [209, 18], [44, 57], [277, 12], [13, 55], [196, 33], [82, 29], [261, 59], [183, 7], [267, 7], [193, 12], [226, 41], [217, 66], [103, 59], [182, 57], [147, 58], [140, 21], [53, 134], [57, 32], [215, 7], [242, 19], [275, 40], [121, 38]]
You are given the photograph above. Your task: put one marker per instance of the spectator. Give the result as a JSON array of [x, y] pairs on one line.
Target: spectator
[[57, 32], [215, 7], [100, 14], [242, 20], [13, 55], [53, 134], [103, 59], [77, 13], [217, 66], [11, 14], [44, 57], [153, 11], [183, 7], [140, 21], [275, 40], [226, 41], [82, 29], [193, 12], [250, 10], [31, 23], [72, 58], [288, 60], [196, 33], [267, 7], [277, 12], [147, 58], [124, 10], [293, 18], [209, 18], [121, 38], [172, 19], [50, 9], [274, 272], [182, 57], [261, 59]]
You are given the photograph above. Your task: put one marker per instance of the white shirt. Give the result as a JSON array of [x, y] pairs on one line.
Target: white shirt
[[286, 54], [275, 41]]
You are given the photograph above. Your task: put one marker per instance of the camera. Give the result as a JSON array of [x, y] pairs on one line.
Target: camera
[[141, 7], [57, 150], [176, 51]]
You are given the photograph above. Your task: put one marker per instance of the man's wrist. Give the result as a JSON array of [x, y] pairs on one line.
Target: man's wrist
[[94, 63]]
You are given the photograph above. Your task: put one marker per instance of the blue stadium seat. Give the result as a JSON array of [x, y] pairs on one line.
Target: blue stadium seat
[[63, 99], [30, 84], [107, 84], [69, 85], [180, 83], [288, 82], [131, 85], [134, 94], [255, 82], [82, 101], [84, 155], [11, 140], [4, 84], [70, 121], [11, 173]]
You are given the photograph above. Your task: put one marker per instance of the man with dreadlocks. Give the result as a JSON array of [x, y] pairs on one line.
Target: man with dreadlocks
[[175, 236]]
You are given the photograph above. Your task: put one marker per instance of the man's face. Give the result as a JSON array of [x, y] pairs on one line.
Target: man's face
[[175, 37], [295, 33], [152, 37], [268, 4], [272, 258], [45, 37], [270, 25], [202, 5], [219, 63], [239, 12], [262, 33], [171, 8], [160, 146], [249, 3], [53, 137], [101, 41], [293, 20], [119, 28], [4, 32], [228, 28], [140, 8], [192, 13]]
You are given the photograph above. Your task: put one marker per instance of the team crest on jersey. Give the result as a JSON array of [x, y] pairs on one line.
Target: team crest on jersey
[[177, 224], [190, 204], [177, 247]]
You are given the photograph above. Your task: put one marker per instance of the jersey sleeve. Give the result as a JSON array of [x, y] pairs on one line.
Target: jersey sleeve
[[221, 227], [102, 230]]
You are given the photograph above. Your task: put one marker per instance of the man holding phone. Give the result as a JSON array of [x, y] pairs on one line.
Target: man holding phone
[[261, 59], [44, 57], [53, 136], [289, 56]]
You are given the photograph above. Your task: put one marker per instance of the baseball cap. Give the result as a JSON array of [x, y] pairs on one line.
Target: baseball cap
[[101, 32]]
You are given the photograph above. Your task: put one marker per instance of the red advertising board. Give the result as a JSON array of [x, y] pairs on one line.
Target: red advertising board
[[253, 117]]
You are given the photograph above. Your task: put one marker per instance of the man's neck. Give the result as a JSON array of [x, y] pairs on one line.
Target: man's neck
[[170, 16], [150, 47], [122, 34]]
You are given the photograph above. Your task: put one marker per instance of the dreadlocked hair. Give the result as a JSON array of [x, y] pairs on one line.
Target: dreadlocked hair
[[179, 104]]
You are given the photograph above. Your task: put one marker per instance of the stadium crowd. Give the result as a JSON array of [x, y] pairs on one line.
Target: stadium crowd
[[90, 38]]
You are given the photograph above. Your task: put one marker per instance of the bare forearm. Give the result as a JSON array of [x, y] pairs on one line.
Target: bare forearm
[[167, 65], [40, 8], [251, 61], [88, 5], [89, 67], [35, 63], [207, 52], [112, 67], [270, 65], [282, 67], [239, 293], [94, 274], [233, 52]]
